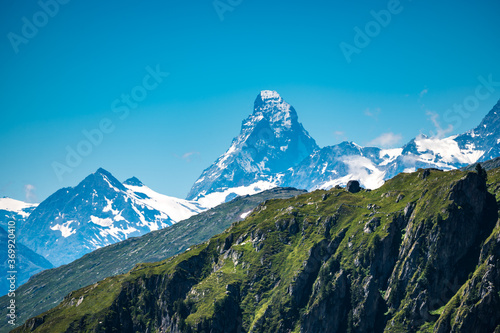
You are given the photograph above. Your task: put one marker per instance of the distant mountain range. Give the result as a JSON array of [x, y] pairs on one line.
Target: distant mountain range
[[274, 149], [97, 212]]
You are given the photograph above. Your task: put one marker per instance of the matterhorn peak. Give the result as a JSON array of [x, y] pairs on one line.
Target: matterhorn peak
[[269, 94], [269, 99], [270, 142]]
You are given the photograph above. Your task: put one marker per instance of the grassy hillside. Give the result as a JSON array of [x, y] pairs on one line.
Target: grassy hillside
[[402, 258], [46, 290]]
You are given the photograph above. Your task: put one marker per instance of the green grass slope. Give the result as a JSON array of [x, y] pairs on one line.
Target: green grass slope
[[393, 260], [47, 289]]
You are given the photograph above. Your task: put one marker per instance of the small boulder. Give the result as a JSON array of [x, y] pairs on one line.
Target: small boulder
[[353, 186]]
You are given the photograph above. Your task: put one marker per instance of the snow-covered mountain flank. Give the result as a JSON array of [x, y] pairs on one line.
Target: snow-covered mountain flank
[[273, 149], [97, 212]]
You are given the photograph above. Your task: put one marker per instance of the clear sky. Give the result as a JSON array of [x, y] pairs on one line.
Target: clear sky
[[69, 69]]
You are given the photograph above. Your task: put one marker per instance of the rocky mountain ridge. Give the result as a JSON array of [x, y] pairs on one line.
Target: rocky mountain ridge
[[97, 212], [273, 149], [419, 254]]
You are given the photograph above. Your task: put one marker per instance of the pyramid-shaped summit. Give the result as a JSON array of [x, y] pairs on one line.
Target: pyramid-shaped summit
[[274, 149], [271, 141]]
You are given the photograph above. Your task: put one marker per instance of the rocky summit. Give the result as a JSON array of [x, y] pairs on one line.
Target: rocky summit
[[271, 140]]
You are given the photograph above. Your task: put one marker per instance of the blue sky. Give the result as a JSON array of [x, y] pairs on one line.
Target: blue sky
[[70, 74]]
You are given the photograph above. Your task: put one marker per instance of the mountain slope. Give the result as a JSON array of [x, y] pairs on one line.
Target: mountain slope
[[97, 212], [336, 165], [399, 259], [271, 141], [20, 208], [485, 137], [28, 263], [47, 289], [14, 209]]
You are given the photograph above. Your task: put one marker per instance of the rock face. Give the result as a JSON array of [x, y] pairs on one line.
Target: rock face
[[420, 254]]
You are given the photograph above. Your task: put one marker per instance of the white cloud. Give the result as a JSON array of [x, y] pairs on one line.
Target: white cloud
[[440, 132], [190, 155], [362, 169], [372, 113], [423, 92], [386, 140], [29, 192]]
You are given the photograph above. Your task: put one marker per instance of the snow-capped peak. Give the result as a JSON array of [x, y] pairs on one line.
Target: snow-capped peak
[[269, 94], [133, 181], [271, 140], [270, 108]]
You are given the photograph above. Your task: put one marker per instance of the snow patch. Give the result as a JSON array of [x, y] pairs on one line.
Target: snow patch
[[244, 215], [216, 198], [107, 222], [169, 207], [117, 233], [65, 229], [269, 94], [109, 207], [443, 152], [359, 168], [224, 157], [109, 183], [389, 155]]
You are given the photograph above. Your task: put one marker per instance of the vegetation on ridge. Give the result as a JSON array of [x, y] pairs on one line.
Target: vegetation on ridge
[[47, 289], [393, 259]]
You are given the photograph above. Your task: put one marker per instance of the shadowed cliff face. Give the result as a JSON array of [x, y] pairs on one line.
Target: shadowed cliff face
[[419, 254]]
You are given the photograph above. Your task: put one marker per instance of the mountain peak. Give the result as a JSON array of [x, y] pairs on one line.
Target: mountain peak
[[101, 171], [269, 100], [101, 178], [271, 141], [269, 94], [133, 182]]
